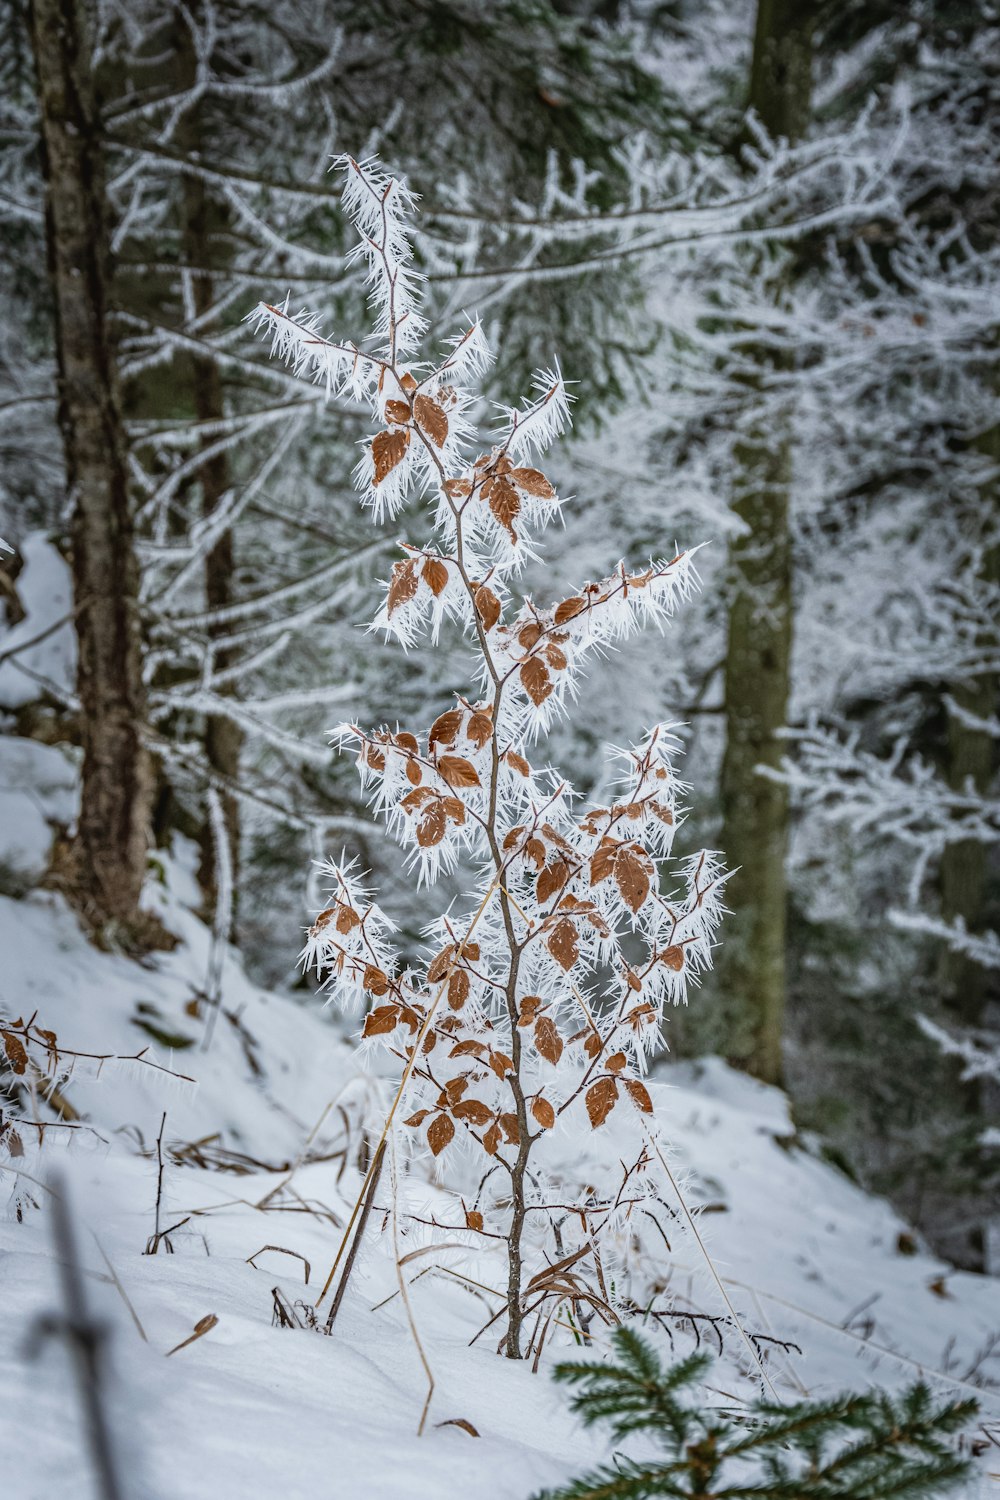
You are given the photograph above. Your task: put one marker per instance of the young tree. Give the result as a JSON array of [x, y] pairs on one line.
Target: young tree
[[543, 997], [116, 791], [855, 1447]]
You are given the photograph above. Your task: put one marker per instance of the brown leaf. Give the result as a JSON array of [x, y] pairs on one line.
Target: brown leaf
[[674, 958], [505, 503], [479, 728], [414, 774], [458, 489], [563, 944], [406, 741], [445, 727], [639, 1094], [440, 1131], [409, 1017], [416, 798], [397, 412], [431, 828], [592, 1045], [16, 1054], [432, 419], [517, 763], [569, 609], [526, 1011], [458, 989], [500, 1063], [543, 1112], [376, 980], [603, 861], [440, 964], [387, 450], [457, 771], [556, 657], [529, 635], [533, 482], [601, 1099], [402, 584], [408, 383], [534, 850], [663, 813], [488, 606], [418, 1118], [435, 575], [380, 1020], [616, 1062], [204, 1325], [552, 879], [491, 1140], [598, 923], [347, 919], [535, 680], [633, 868], [508, 1124], [468, 1048], [454, 808], [462, 1422], [474, 1110], [547, 1039], [473, 1220]]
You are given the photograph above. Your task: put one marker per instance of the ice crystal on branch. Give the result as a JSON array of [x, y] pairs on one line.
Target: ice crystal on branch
[[542, 996]]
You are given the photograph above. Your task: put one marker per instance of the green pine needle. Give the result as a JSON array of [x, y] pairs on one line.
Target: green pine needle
[[853, 1447]]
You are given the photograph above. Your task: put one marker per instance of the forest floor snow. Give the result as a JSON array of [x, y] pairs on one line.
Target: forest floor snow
[[259, 1412]]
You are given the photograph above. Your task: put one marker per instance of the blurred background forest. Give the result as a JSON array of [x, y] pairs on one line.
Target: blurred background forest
[[764, 236]]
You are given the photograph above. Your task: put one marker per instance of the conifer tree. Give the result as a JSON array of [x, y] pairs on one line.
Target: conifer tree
[[856, 1447]]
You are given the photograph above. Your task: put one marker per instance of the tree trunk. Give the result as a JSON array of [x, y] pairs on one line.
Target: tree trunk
[[223, 738], [758, 655], [972, 758], [117, 785]]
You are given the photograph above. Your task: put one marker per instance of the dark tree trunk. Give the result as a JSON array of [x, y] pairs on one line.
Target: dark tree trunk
[[758, 656], [117, 785], [223, 738], [972, 760]]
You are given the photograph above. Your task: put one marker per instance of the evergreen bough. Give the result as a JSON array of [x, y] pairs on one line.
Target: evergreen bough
[[865, 1447]]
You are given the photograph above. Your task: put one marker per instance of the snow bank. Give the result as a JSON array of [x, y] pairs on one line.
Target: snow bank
[[253, 1410]]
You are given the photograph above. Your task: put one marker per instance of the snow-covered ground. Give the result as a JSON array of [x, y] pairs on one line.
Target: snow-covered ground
[[258, 1411]]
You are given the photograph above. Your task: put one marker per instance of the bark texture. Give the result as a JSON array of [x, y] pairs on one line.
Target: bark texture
[[117, 784], [972, 760], [204, 222], [758, 655]]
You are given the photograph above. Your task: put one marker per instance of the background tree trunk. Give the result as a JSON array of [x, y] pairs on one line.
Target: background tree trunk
[[758, 653], [971, 757], [117, 785], [205, 222]]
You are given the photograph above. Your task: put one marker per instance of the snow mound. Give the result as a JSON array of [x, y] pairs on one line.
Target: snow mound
[[44, 641]]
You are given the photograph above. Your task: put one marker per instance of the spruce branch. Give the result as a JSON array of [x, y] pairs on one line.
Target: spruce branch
[[856, 1447]]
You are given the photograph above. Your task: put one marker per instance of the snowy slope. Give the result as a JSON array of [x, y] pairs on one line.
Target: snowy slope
[[254, 1411]]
